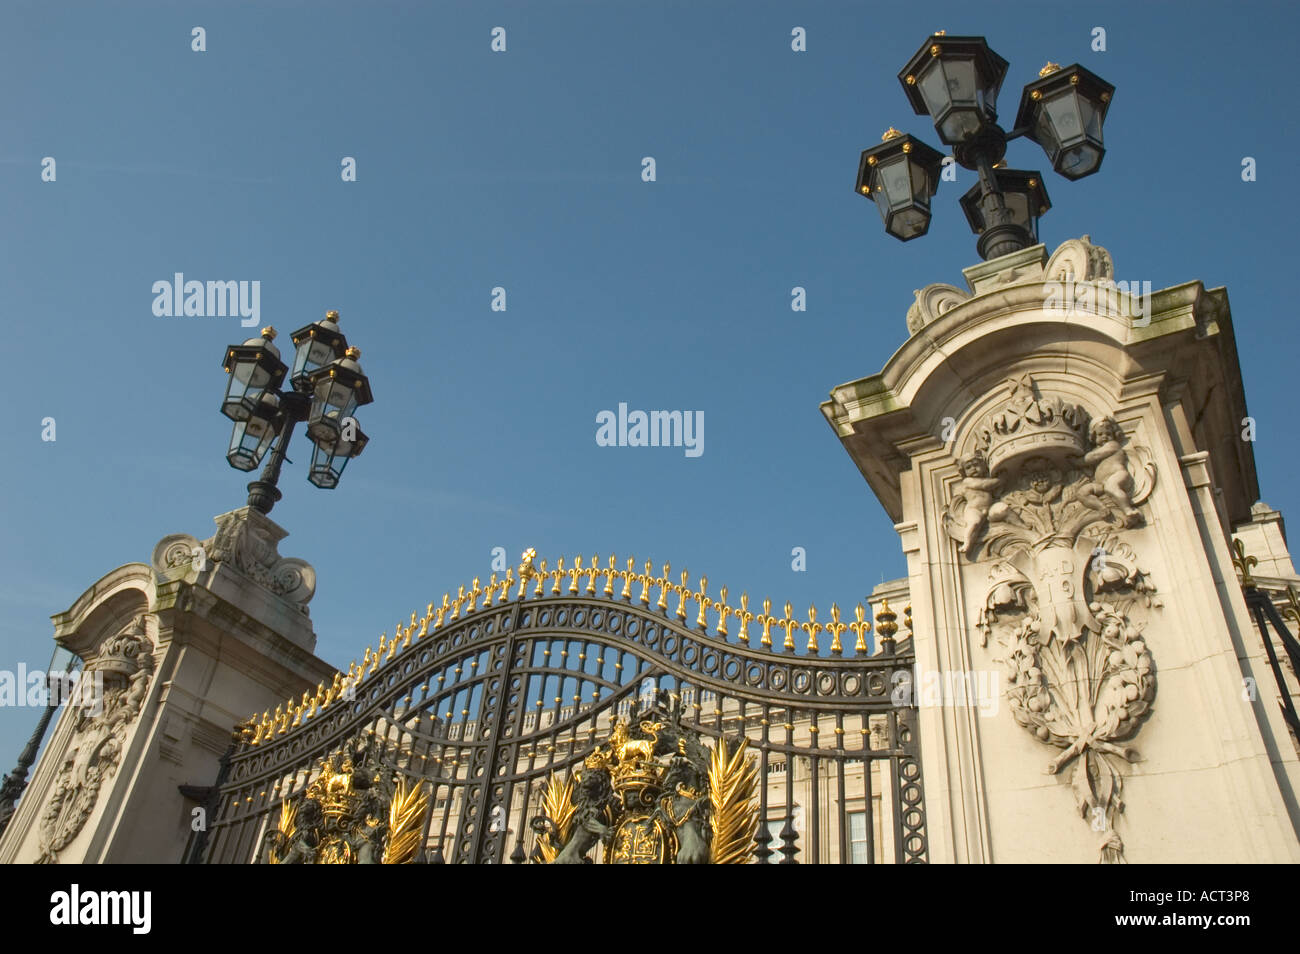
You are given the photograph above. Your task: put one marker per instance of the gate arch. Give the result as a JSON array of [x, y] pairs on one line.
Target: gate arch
[[489, 694]]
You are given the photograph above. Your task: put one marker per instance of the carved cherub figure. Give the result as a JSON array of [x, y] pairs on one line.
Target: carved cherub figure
[[977, 487], [1110, 474]]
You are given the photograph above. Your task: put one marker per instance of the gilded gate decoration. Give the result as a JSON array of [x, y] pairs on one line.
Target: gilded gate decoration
[[561, 710], [653, 795], [351, 814]]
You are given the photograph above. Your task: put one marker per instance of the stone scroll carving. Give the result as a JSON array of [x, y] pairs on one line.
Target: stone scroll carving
[[1048, 497], [932, 301], [1078, 260], [245, 541], [125, 664]]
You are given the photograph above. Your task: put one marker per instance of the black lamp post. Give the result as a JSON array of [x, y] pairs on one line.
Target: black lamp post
[[326, 386], [955, 80], [63, 661]]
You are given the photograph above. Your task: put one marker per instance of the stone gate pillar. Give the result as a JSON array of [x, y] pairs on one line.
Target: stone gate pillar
[[1064, 464], [183, 648]]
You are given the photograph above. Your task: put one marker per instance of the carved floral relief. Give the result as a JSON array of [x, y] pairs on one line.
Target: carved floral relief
[[1048, 498], [125, 661]]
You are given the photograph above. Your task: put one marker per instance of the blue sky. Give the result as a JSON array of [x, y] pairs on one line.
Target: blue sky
[[522, 170]]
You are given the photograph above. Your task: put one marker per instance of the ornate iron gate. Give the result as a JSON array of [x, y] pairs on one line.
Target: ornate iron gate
[[489, 694]]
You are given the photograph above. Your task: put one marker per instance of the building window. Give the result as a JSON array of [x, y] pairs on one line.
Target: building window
[[775, 768], [857, 838]]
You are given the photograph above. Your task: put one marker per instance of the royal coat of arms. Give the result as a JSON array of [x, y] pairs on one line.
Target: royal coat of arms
[[652, 794], [352, 813]]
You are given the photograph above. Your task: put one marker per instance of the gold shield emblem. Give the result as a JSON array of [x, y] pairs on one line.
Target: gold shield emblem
[[642, 839]]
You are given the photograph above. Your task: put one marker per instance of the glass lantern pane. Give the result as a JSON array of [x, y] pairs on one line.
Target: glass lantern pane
[[1079, 161], [960, 75], [908, 223], [1018, 205], [898, 185], [1045, 133], [1063, 113], [878, 196], [1091, 119], [331, 393], [934, 87], [960, 124], [922, 187]]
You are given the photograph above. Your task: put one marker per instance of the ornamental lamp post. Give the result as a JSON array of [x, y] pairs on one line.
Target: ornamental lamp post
[[316, 345], [901, 175], [956, 81], [326, 386], [329, 459], [254, 368], [1063, 112], [251, 437], [337, 389]]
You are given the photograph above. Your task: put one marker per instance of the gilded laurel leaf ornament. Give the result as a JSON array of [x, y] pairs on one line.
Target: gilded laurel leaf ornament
[[733, 780], [558, 807], [405, 822]]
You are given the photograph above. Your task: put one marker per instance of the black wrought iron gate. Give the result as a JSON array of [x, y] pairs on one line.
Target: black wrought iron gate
[[492, 692]]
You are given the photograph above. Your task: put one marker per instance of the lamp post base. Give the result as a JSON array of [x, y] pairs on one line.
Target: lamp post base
[[263, 495]]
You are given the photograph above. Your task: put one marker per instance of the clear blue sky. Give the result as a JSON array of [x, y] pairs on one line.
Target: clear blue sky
[[522, 170]]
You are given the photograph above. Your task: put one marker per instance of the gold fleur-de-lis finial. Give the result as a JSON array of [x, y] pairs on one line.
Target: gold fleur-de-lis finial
[[723, 611], [683, 594], [646, 579], [627, 576], [788, 624], [766, 620], [835, 627], [745, 617], [703, 601], [812, 628], [1243, 563], [860, 629], [664, 585]]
